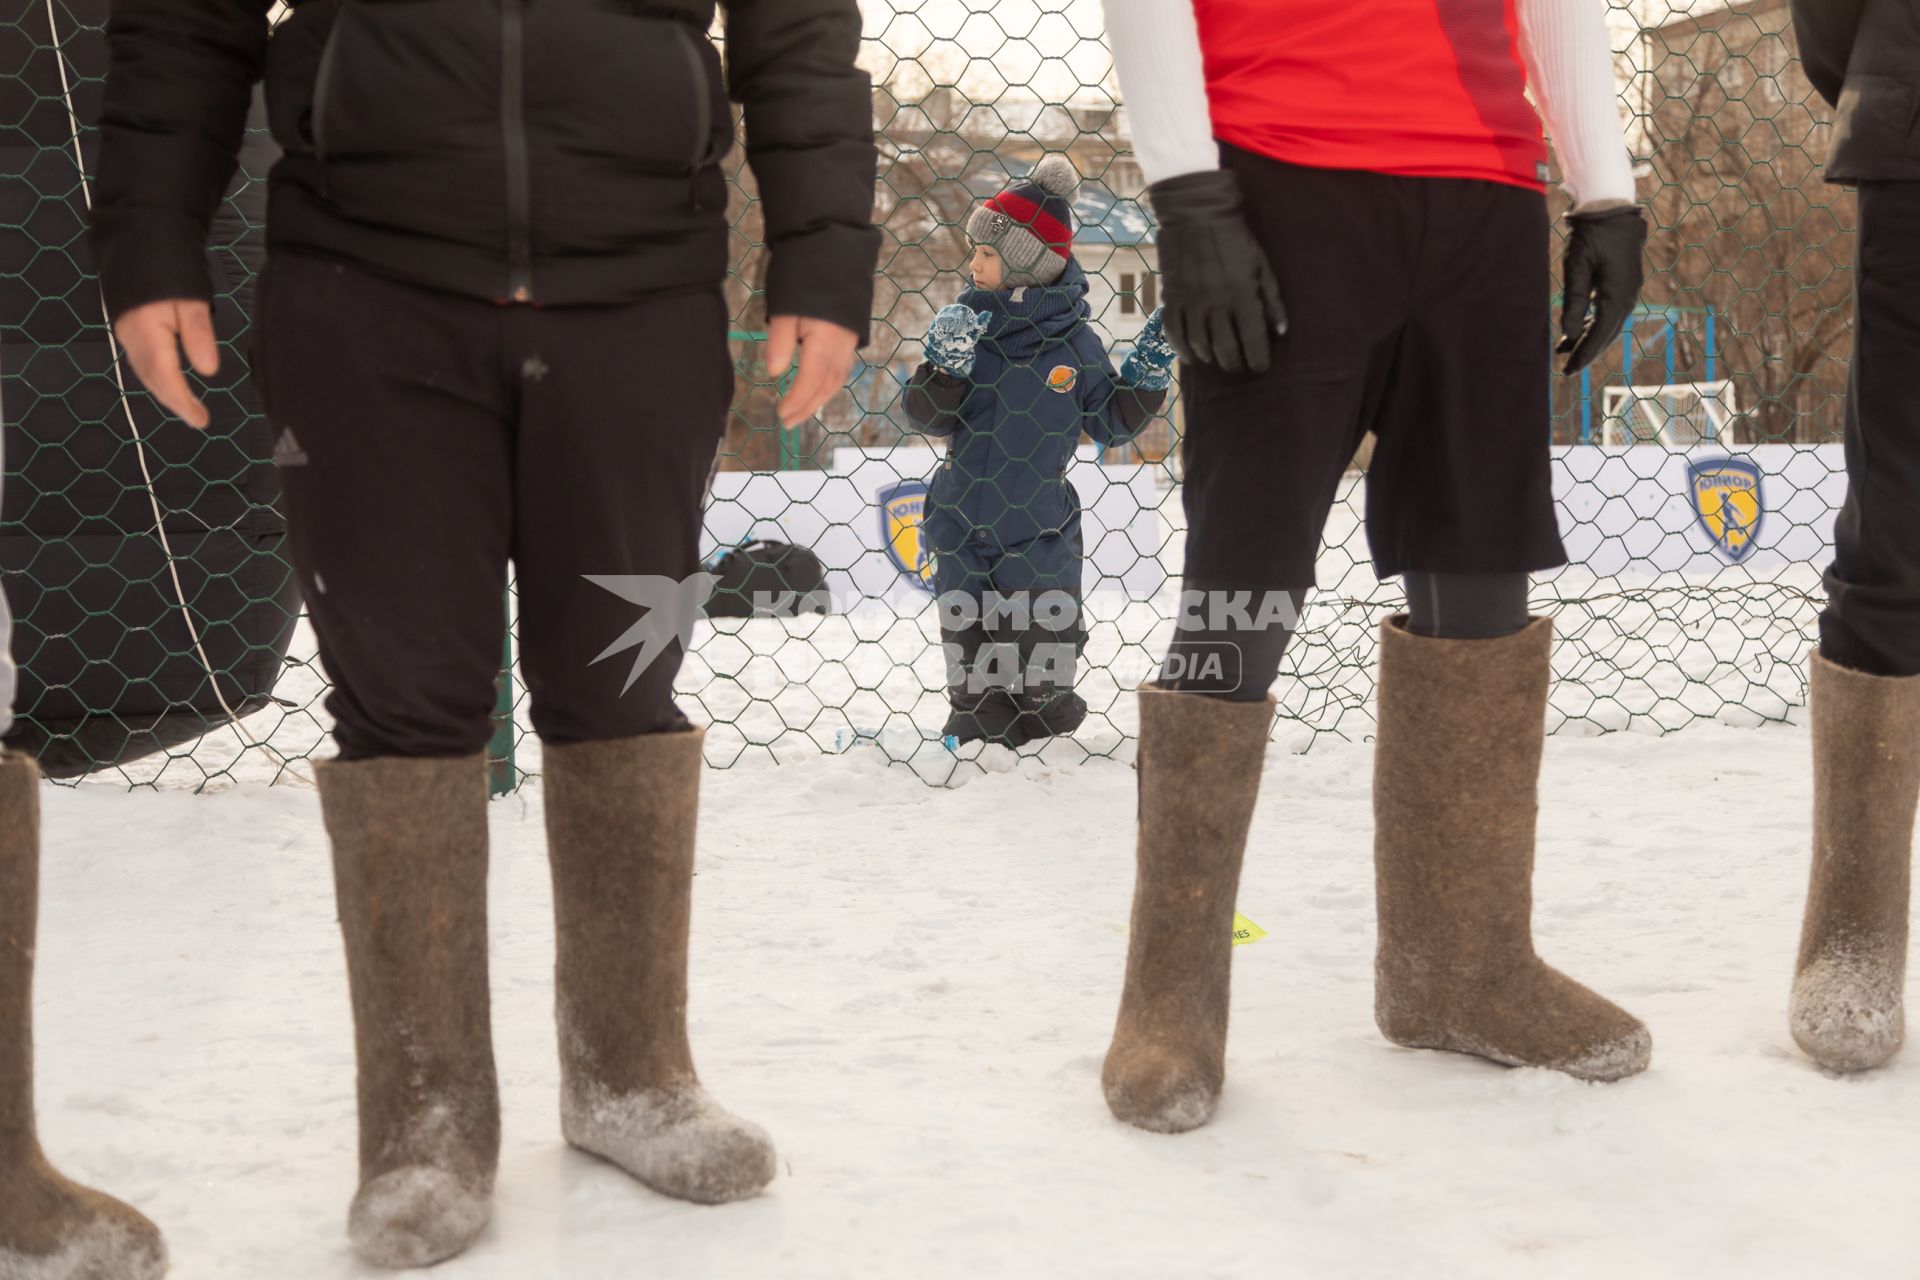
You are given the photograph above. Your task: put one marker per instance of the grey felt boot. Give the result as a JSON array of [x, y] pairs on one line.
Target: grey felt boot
[[50, 1228], [410, 869], [621, 817], [1847, 1010], [1199, 774], [1460, 732]]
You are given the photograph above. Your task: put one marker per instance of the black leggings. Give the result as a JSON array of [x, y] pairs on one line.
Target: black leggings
[[1230, 643]]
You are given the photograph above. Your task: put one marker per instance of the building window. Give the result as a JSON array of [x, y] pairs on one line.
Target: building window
[[1137, 293]]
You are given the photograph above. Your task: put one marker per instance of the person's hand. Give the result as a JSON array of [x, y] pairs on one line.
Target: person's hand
[[153, 337], [154, 334], [1150, 367], [1604, 273], [954, 336], [1222, 301], [827, 353]]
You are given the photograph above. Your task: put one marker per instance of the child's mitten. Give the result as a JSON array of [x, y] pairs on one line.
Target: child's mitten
[[1150, 367], [954, 334]]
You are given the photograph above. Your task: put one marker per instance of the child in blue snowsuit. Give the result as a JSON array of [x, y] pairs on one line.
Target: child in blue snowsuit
[[1014, 376]]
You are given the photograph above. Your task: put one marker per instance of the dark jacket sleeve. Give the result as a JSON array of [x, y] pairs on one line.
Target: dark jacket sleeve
[[1128, 412], [238, 232], [934, 400], [1827, 29], [1114, 412], [180, 75], [809, 124]]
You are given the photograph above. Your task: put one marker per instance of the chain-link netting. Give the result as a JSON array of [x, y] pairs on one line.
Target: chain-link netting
[[1697, 466]]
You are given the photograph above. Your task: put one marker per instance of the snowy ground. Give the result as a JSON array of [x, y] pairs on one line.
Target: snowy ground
[[912, 987]]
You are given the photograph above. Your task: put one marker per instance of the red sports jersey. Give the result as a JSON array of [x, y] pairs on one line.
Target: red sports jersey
[[1425, 88]]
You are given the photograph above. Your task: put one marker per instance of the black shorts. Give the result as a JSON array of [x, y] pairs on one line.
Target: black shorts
[[1418, 309]]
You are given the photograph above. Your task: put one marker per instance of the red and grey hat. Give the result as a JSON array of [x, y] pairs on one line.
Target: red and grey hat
[[1030, 224]]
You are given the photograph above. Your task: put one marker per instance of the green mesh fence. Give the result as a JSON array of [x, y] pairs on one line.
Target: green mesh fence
[[1697, 466]]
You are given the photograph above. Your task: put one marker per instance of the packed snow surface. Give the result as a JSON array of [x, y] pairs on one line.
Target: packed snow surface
[[912, 987]]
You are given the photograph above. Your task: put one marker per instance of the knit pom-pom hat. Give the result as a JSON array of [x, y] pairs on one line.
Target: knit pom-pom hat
[[1030, 224]]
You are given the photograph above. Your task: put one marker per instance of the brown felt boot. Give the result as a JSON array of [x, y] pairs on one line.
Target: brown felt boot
[[1847, 1010], [1198, 774], [1455, 792], [620, 832], [410, 868], [50, 1228]]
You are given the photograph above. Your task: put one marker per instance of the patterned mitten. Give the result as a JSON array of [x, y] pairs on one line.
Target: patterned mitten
[[951, 340], [1150, 367]]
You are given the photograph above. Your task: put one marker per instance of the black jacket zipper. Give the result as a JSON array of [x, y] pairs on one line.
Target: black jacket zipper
[[513, 126]]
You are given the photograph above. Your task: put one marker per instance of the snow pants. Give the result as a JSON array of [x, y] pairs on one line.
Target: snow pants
[[1040, 626], [975, 562], [1872, 618], [424, 440]]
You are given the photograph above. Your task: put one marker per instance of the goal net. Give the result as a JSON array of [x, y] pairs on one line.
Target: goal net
[[1677, 415]]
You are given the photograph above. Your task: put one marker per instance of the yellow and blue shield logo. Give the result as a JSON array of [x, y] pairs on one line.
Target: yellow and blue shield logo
[[1728, 503], [903, 507]]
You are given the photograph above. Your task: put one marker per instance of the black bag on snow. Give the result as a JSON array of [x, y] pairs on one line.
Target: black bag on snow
[[767, 579]]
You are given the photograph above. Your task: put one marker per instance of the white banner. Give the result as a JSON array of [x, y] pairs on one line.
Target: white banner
[[837, 514], [1641, 509], [1629, 510]]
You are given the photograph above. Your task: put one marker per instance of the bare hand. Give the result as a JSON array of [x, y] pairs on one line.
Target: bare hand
[[827, 353], [153, 337]]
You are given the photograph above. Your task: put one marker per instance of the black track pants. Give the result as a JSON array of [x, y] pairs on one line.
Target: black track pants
[[1872, 620], [424, 440]]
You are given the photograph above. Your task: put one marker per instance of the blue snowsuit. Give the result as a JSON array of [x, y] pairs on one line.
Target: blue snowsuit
[[1001, 514]]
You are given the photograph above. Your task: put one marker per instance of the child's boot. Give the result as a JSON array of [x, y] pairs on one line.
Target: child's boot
[[1049, 648], [983, 710]]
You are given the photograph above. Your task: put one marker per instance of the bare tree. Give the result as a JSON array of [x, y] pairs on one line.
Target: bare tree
[[1744, 221]]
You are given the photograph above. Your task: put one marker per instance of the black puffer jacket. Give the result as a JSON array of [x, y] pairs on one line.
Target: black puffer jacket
[[558, 152], [1864, 57]]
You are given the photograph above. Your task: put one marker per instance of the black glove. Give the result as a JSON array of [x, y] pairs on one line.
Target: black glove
[[1223, 304], [1603, 275]]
